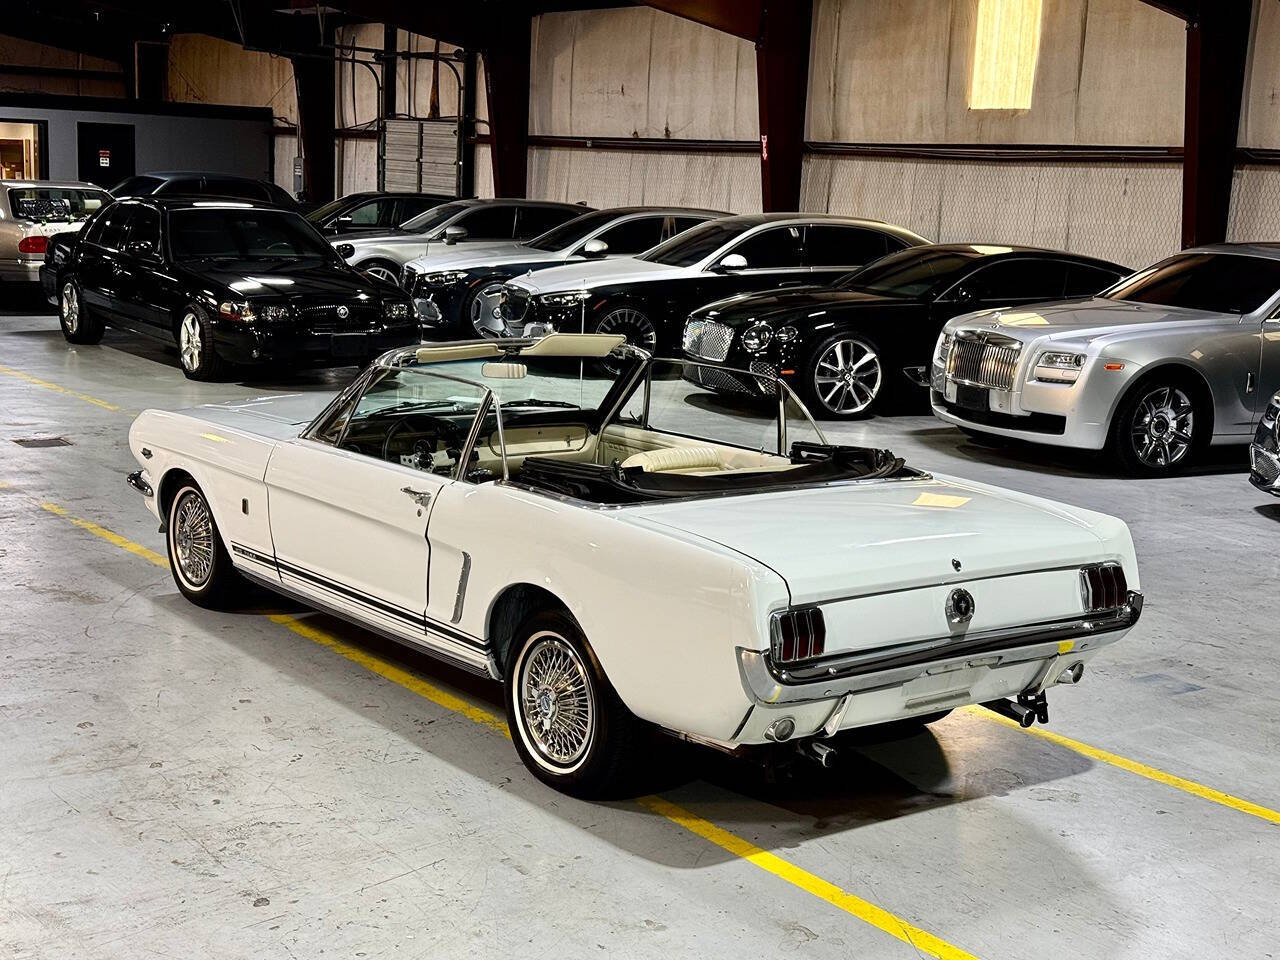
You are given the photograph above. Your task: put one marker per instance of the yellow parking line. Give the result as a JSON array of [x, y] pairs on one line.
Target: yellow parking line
[[1140, 769], [58, 388], [922, 941]]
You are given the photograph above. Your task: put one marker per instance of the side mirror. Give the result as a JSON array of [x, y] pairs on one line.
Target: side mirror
[[453, 234], [142, 249], [734, 261], [595, 249]]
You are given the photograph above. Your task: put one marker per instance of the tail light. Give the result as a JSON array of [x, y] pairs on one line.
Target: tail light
[[1103, 587], [33, 244], [798, 635]]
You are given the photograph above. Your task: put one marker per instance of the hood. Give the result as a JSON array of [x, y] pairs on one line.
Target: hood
[[1083, 319], [279, 417], [416, 242], [846, 539], [469, 256], [751, 307], [282, 280], [596, 273]]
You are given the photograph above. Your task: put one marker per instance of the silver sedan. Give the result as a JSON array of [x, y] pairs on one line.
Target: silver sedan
[[31, 211], [1181, 355]]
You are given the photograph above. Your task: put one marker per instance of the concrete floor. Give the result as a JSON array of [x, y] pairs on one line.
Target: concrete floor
[[175, 782]]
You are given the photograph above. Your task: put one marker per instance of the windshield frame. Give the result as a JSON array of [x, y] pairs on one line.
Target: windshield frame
[[1267, 305], [459, 207], [686, 236], [940, 285], [604, 219]]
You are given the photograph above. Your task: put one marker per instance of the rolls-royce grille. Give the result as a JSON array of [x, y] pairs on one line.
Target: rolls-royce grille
[[513, 304], [707, 339], [327, 318], [1103, 587], [984, 361]]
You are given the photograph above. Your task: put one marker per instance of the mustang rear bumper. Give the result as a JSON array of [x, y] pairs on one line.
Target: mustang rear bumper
[[835, 676]]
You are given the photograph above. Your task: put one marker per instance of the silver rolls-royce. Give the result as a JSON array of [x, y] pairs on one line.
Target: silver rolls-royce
[[31, 211], [1181, 355]]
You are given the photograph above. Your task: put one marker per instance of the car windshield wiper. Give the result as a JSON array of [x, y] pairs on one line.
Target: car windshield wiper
[[419, 405], [541, 403]]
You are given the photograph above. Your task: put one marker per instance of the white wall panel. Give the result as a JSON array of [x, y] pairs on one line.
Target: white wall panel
[[1255, 204], [206, 70], [637, 72], [897, 71], [284, 149], [1129, 213], [1260, 119], [604, 178], [357, 166], [484, 171]]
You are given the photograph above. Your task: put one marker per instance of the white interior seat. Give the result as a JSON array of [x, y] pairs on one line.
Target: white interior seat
[[675, 459]]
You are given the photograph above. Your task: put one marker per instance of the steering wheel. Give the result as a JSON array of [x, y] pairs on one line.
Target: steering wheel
[[451, 434]]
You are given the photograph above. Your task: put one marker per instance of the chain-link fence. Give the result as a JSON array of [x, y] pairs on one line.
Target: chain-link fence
[[1255, 204]]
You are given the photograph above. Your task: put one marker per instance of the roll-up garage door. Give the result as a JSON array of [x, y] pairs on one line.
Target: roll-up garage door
[[420, 156]]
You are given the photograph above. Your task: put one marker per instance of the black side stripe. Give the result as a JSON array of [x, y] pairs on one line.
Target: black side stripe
[[381, 606], [254, 555]]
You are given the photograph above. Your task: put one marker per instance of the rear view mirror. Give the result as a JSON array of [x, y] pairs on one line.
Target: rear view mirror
[[734, 261], [495, 370], [595, 249], [454, 234]]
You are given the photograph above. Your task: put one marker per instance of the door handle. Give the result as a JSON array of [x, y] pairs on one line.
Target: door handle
[[420, 497]]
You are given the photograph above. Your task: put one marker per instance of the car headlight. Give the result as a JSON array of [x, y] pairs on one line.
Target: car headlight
[[443, 278], [395, 310], [944, 346], [569, 298], [1053, 367], [274, 312], [239, 311], [755, 338], [786, 334]]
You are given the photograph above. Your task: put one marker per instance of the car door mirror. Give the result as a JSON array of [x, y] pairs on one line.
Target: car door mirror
[[595, 249], [141, 249], [732, 262], [454, 234]]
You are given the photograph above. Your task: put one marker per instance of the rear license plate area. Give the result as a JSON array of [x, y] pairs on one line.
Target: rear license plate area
[[349, 344]]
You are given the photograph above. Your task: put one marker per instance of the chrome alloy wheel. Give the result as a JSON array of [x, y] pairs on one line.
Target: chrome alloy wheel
[[557, 702], [632, 324], [382, 273], [1163, 427], [193, 539], [70, 307], [189, 344], [847, 376]]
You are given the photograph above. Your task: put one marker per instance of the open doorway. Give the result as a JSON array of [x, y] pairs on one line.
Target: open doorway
[[21, 150]]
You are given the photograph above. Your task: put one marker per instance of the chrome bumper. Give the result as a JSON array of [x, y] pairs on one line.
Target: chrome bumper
[[138, 483], [861, 672]]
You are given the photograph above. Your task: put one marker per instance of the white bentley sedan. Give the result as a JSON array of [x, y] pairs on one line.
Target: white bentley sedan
[[583, 524]]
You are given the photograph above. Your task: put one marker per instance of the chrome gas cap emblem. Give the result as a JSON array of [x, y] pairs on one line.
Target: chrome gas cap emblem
[[960, 606]]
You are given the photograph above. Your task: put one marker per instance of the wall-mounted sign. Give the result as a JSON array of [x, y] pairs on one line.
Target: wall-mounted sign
[[104, 158]]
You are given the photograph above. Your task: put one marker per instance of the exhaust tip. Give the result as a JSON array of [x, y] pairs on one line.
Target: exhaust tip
[[780, 730], [1072, 674]]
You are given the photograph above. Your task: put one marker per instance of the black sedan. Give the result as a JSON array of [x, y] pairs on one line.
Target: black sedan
[[229, 282], [853, 347], [196, 183], [648, 297], [371, 210]]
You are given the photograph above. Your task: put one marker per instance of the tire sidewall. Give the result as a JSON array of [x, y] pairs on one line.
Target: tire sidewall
[[585, 774], [1121, 441], [207, 366], [808, 389]]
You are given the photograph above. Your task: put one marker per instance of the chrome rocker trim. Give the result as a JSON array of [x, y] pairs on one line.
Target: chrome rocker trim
[[135, 480], [835, 676]]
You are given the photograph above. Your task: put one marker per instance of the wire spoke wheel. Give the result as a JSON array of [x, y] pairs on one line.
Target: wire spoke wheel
[[557, 701], [1163, 427], [193, 539], [189, 343], [71, 307], [847, 376]]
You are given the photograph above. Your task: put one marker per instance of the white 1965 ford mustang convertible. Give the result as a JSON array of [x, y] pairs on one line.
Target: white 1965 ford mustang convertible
[[625, 552]]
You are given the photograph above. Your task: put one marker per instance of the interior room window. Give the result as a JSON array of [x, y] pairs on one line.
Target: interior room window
[[1006, 49]]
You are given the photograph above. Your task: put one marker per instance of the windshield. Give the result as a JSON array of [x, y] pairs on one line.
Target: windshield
[[1216, 282], [910, 273], [569, 233], [56, 203], [237, 234], [320, 214], [433, 218], [697, 243]]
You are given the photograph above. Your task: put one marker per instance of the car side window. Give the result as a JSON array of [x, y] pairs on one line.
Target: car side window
[[488, 223], [93, 229], [633, 236], [675, 225], [1018, 280], [116, 226], [371, 213], [187, 187], [776, 249], [145, 227], [532, 221], [1084, 280], [408, 208], [840, 246]]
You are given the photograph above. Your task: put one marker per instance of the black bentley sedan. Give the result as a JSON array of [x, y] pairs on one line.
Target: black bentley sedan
[[865, 341], [229, 282], [648, 297]]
